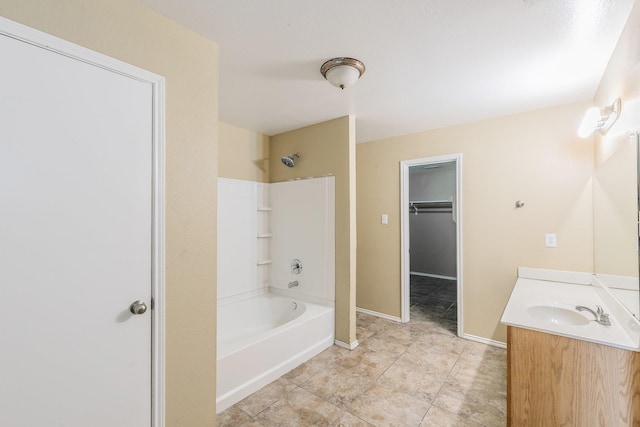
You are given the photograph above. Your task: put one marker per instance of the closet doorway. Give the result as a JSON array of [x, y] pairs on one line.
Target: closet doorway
[[431, 241]]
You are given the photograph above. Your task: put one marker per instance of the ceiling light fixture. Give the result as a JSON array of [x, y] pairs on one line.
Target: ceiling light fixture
[[601, 120], [342, 72]]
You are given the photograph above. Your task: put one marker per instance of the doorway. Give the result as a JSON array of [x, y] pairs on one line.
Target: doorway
[[431, 240]]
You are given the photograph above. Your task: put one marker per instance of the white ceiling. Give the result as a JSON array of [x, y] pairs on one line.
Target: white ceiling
[[430, 63]]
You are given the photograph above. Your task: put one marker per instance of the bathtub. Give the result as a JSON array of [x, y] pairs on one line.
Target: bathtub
[[263, 337]]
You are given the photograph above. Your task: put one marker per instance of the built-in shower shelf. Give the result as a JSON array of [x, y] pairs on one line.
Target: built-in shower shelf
[[264, 235], [264, 209], [265, 262]]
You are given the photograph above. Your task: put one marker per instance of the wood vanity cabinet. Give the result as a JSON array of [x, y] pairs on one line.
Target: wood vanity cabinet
[[559, 381]]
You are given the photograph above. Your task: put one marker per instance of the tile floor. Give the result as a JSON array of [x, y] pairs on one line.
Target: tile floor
[[413, 374], [434, 300]]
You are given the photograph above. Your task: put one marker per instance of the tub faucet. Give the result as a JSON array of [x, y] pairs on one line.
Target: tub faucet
[[599, 314], [293, 284]]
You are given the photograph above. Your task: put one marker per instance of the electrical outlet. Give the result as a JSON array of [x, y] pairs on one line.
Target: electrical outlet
[[550, 240]]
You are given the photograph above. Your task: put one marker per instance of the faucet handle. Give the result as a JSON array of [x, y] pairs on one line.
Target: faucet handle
[[603, 318]]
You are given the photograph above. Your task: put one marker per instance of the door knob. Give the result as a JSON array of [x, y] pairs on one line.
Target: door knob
[[138, 307]]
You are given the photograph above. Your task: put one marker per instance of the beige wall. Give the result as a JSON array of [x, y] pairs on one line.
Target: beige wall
[[135, 34], [615, 185], [243, 154], [535, 157], [328, 148]]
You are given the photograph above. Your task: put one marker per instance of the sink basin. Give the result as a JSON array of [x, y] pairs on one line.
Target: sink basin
[[557, 315]]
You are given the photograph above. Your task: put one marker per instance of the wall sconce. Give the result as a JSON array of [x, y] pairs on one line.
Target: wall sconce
[[342, 72], [601, 120]]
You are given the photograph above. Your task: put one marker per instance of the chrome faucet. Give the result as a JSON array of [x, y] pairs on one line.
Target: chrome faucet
[[293, 284], [599, 314]]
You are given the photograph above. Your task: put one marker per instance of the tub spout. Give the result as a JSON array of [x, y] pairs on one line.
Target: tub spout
[[293, 284]]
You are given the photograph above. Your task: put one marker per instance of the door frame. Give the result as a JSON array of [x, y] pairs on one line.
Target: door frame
[[56, 45], [405, 265]]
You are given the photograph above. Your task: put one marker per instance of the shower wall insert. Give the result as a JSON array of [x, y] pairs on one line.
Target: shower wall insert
[[270, 236]]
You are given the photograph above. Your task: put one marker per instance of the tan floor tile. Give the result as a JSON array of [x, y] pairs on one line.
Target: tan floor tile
[[319, 363], [383, 406], [350, 420], [437, 417], [266, 396], [443, 326], [307, 370], [409, 378], [485, 390], [367, 325], [433, 362], [363, 333], [338, 386], [485, 350], [438, 343], [399, 330], [235, 416], [472, 407], [382, 343], [299, 408], [469, 368], [401, 333], [365, 362]]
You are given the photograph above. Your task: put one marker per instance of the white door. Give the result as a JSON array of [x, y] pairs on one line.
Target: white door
[[75, 241]]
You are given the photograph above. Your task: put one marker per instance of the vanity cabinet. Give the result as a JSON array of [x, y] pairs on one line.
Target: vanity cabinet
[[558, 381]]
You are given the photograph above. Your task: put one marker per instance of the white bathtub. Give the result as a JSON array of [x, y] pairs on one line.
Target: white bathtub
[[263, 337]]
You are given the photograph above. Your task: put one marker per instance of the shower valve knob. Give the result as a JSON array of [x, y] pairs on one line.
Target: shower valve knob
[[296, 266]]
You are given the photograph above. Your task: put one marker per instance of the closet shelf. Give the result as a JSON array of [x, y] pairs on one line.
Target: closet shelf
[[431, 202]]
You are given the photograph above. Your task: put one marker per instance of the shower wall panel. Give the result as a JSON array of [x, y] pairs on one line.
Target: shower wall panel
[[303, 225], [237, 237]]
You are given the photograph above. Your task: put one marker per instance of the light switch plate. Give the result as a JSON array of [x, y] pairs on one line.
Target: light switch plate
[[384, 219]]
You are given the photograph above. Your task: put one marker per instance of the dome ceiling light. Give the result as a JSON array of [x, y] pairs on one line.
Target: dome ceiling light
[[342, 72]]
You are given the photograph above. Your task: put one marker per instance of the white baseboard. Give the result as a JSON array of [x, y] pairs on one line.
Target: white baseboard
[[484, 340], [436, 276], [377, 314], [343, 344]]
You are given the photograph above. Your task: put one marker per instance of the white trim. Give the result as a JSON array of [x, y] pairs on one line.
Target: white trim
[[62, 47], [484, 340], [436, 276], [159, 265], [378, 314], [404, 231], [343, 344]]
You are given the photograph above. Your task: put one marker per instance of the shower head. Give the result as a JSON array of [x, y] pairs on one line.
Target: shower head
[[288, 160]]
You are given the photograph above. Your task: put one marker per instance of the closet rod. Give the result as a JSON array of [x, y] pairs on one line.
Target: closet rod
[[431, 204]]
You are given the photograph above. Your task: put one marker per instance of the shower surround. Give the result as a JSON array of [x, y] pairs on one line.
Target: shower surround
[[276, 255]]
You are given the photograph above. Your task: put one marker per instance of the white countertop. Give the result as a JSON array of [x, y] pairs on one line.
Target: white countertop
[[539, 288]]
